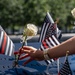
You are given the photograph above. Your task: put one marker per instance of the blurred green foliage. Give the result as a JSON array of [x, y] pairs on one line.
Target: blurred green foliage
[[20, 12]]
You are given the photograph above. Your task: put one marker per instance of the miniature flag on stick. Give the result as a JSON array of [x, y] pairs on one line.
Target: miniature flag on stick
[[65, 70], [6, 45], [48, 36]]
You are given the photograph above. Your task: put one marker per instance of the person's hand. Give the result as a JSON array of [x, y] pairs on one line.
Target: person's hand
[[31, 52]]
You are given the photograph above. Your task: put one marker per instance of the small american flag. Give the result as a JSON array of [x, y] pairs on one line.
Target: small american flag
[[49, 29], [50, 39], [49, 36], [6, 45], [65, 70]]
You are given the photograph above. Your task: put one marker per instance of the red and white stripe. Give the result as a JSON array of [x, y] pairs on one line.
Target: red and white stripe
[[6, 44]]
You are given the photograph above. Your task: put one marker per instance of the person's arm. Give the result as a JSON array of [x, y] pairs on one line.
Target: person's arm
[[54, 52], [60, 50]]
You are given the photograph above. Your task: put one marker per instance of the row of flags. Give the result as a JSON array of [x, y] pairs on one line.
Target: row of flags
[[49, 37]]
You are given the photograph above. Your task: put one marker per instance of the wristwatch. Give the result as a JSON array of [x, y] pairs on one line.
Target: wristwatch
[[46, 56]]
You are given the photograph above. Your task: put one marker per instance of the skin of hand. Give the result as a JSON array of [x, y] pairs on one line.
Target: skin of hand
[[54, 52], [33, 52]]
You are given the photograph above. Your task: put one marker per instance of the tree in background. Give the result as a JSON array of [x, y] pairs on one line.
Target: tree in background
[[20, 12]]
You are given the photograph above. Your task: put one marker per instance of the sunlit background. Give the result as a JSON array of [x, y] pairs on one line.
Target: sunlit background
[[15, 14]]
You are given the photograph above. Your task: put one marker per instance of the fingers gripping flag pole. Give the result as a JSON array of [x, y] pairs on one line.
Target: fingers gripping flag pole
[[6, 45]]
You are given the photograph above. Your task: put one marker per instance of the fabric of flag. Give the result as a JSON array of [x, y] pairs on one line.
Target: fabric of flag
[[65, 70], [49, 36], [49, 29], [47, 26], [49, 43], [6, 45]]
